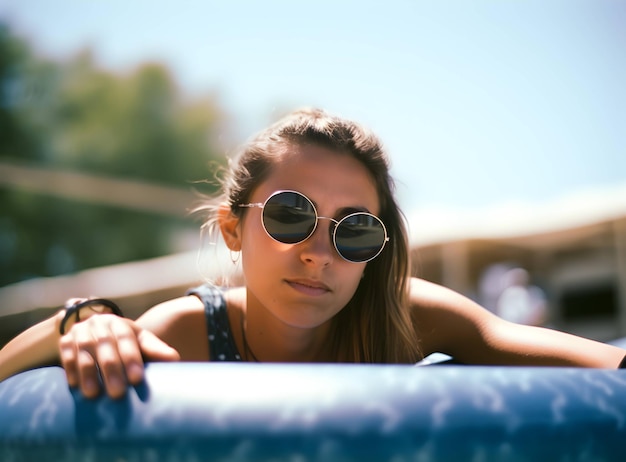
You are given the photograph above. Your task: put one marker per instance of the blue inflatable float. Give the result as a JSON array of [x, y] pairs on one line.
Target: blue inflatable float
[[263, 412]]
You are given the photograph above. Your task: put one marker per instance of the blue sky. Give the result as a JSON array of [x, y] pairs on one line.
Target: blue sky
[[479, 102]]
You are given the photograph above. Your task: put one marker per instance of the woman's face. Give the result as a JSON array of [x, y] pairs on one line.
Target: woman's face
[[304, 285]]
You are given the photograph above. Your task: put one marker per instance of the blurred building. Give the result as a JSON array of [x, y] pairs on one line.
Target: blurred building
[[574, 250]]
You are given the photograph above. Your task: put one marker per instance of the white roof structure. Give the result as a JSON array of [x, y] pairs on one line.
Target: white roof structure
[[518, 220]]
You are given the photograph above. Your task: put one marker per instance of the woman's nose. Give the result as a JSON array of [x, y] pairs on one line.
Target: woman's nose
[[318, 248]]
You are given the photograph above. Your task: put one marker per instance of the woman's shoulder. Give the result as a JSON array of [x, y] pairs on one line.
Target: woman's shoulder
[[179, 322], [208, 294], [172, 309], [446, 320], [192, 303], [432, 300], [428, 295]]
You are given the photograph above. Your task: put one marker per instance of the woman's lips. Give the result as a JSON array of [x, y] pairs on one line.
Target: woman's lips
[[307, 287]]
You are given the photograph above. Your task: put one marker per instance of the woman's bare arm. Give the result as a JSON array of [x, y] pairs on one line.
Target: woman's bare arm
[[36, 346], [110, 347], [115, 349], [450, 323], [180, 323]]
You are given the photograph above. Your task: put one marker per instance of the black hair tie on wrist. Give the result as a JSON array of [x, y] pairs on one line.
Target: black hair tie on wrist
[[622, 365], [76, 307]]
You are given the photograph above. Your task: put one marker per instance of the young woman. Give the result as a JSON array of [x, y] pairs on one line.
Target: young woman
[[309, 209]]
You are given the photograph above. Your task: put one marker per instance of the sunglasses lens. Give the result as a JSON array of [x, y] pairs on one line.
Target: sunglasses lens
[[360, 237], [289, 217]]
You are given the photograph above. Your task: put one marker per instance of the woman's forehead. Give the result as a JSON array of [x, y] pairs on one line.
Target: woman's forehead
[[324, 175]]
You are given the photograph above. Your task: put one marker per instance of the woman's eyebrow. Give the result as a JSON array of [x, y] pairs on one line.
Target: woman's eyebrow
[[343, 211], [348, 210]]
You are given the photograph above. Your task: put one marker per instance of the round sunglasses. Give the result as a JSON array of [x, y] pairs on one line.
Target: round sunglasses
[[290, 217]]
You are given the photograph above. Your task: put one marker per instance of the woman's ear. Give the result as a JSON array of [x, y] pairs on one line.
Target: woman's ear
[[229, 226]]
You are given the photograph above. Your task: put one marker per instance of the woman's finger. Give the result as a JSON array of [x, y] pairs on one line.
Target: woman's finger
[[155, 349], [88, 376], [67, 355], [107, 354], [128, 349], [113, 349]]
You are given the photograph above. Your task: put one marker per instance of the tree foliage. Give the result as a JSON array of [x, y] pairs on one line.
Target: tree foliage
[[75, 116]]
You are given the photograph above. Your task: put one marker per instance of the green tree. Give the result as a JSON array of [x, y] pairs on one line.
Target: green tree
[[13, 56], [75, 116]]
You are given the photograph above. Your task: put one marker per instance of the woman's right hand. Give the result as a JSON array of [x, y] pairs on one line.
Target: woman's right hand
[[112, 348]]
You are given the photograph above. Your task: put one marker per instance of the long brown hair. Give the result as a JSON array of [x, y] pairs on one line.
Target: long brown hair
[[375, 326]]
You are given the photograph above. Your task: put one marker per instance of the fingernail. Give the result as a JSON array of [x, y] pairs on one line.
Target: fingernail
[[90, 386], [135, 372], [116, 384], [71, 379]]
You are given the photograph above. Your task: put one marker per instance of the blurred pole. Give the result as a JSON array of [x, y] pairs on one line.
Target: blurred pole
[[619, 233], [455, 265]]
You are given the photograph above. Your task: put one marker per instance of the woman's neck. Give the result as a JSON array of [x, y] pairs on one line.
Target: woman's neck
[[262, 337]]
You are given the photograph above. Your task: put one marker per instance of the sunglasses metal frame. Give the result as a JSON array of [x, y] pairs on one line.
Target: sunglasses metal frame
[[318, 217]]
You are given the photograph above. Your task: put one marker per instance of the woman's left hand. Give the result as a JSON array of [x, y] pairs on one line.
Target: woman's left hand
[[112, 348]]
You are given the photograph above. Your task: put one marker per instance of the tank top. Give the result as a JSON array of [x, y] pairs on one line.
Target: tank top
[[221, 342]]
